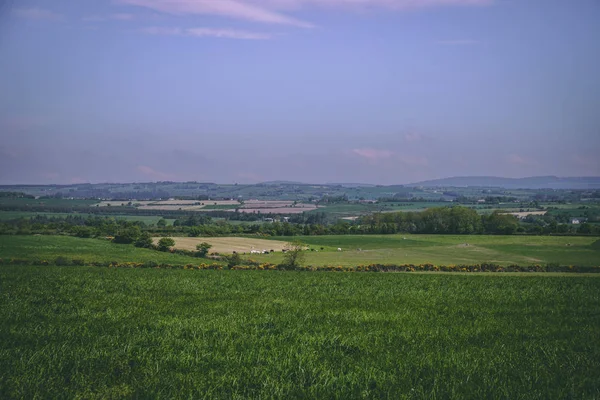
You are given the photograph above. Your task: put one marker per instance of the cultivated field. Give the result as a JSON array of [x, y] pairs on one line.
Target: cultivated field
[[97, 333], [191, 205], [526, 213], [229, 244], [249, 206]]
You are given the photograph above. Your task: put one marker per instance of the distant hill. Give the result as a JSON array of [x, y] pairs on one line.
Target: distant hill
[[350, 185], [535, 182], [276, 183]]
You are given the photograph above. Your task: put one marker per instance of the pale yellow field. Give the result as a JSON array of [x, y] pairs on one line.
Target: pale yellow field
[[268, 203], [172, 207], [196, 202], [229, 244], [283, 210], [526, 213]]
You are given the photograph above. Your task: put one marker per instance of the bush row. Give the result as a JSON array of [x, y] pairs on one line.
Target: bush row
[[485, 267]]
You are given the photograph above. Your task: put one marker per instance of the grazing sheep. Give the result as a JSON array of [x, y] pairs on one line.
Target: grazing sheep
[[339, 249]]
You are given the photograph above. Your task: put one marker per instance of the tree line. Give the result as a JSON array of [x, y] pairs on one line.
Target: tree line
[[441, 220]]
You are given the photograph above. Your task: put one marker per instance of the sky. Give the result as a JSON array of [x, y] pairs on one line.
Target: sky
[[318, 91]]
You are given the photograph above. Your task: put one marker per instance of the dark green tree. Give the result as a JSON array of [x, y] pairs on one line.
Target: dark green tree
[[127, 235], [165, 243], [203, 248], [294, 255], [144, 240]]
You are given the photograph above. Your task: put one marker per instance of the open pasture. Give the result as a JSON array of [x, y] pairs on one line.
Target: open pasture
[[96, 333], [38, 247], [228, 245], [447, 249]]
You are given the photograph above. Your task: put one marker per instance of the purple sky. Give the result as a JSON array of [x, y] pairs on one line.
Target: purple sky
[[374, 91]]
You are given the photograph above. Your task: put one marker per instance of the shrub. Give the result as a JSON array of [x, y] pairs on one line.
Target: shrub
[[234, 260], [144, 241], [165, 243], [60, 261], [202, 249]]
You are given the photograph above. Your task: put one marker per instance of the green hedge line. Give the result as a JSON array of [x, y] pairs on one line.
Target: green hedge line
[[485, 267]]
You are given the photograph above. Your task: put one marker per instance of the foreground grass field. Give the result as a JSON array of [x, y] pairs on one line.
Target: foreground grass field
[[84, 332]]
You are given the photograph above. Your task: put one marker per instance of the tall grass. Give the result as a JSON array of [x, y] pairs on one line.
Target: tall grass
[[105, 333]]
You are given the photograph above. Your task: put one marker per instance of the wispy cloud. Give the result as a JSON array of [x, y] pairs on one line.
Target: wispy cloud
[[372, 4], [39, 14], [207, 32], [228, 8], [373, 154], [276, 11], [458, 42], [154, 174], [157, 30]]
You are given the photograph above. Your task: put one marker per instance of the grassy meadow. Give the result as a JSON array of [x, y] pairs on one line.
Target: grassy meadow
[[86, 332], [40, 247], [382, 249], [448, 249]]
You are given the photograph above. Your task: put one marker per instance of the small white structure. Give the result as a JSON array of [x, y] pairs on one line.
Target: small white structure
[[339, 249], [575, 221]]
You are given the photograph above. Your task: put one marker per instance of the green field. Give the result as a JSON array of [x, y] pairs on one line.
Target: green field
[[86, 332], [89, 250], [355, 209], [382, 249], [146, 219], [447, 249], [50, 202]]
